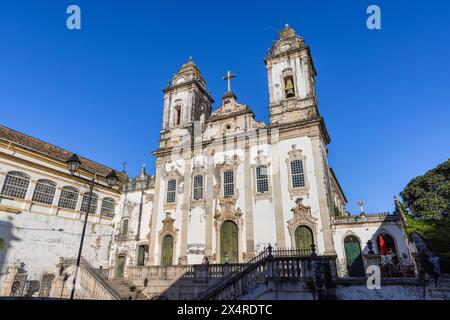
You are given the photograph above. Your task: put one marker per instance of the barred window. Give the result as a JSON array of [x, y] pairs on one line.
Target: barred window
[[16, 185], [228, 183], [198, 187], [108, 205], [85, 203], [68, 198], [298, 175], [44, 192], [262, 180], [171, 189]]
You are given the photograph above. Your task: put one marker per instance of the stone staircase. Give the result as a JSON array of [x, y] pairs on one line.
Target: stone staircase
[[127, 290]]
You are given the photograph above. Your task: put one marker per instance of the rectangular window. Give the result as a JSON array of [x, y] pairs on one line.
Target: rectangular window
[[68, 198], [107, 208], [171, 189], [298, 175], [198, 187], [228, 183], [262, 180]]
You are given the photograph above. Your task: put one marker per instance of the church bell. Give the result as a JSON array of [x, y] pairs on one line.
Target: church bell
[[289, 88]]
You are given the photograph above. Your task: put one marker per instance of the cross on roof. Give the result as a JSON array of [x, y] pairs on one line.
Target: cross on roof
[[228, 77]]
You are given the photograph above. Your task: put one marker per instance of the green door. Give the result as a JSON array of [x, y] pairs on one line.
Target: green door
[[355, 265], [229, 242], [167, 251], [120, 270], [303, 238]]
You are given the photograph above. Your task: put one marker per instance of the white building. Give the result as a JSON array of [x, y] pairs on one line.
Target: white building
[[225, 185]]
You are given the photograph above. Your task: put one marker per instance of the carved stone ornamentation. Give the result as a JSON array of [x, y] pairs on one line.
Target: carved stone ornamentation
[[175, 174], [261, 160], [301, 217], [168, 229], [228, 211], [296, 154]]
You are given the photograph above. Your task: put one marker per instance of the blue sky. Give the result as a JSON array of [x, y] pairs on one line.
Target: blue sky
[[384, 94]]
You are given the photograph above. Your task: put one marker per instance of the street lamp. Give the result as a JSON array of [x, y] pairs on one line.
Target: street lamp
[[73, 164]]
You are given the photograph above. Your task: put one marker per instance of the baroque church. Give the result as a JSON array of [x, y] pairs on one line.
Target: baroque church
[[225, 188]]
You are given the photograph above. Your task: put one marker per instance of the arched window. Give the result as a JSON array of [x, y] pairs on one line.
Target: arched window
[[355, 264], [124, 229], [228, 183], [171, 190], [44, 191], [198, 187], [85, 203], [108, 205], [262, 180], [16, 185], [297, 174], [68, 198]]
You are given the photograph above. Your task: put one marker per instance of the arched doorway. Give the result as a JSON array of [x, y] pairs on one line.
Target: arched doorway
[[355, 264], [389, 247], [229, 242], [303, 238], [167, 251], [120, 267]]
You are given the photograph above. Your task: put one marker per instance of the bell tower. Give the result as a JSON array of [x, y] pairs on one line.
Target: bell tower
[[186, 102], [291, 76]]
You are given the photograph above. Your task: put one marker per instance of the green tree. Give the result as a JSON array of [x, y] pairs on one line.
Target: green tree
[[427, 197]]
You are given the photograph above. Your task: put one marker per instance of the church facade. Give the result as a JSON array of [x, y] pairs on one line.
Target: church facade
[[225, 185]]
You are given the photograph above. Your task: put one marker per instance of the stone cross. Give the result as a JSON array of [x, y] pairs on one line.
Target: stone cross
[[228, 77]]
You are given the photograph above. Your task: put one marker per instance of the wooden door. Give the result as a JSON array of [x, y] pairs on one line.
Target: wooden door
[[229, 242]]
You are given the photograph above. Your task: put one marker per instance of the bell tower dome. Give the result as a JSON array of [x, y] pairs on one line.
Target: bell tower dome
[[291, 76]]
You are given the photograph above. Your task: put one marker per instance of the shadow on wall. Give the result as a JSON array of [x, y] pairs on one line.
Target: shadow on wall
[[7, 238]]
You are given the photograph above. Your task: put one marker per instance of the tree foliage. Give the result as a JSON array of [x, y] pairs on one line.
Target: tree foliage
[[427, 197]]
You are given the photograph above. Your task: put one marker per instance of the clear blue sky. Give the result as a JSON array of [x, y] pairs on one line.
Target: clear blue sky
[[384, 94]]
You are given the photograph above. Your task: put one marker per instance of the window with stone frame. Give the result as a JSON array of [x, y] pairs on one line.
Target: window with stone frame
[[198, 187], [68, 198], [108, 206], [124, 229], [262, 179], [85, 203], [16, 185], [44, 192], [228, 183], [171, 190], [297, 174]]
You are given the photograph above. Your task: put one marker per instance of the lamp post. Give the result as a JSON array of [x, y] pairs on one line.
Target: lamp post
[[73, 164]]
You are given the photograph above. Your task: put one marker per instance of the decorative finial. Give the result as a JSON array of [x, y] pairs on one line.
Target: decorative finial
[[228, 77], [168, 83], [190, 59]]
